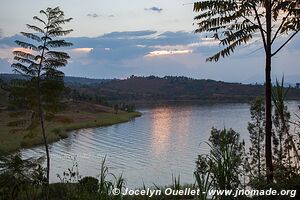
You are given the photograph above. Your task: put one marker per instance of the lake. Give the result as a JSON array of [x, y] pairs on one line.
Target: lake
[[164, 141]]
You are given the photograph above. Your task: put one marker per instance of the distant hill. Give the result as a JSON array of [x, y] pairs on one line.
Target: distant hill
[[69, 80], [170, 88], [158, 89]]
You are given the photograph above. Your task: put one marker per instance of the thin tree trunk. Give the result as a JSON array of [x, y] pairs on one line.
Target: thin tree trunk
[[42, 121], [259, 153], [268, 91]]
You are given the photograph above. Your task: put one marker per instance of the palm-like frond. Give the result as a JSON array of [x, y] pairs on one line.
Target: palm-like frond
[[55, 32], [57, 55], [54, 63], [23, 60], [27, 45], [230, 49], [35, 28], [39, 19], [58, 43], [32, 36], [21, 69], [42, 46], [279, 96], [24, 54], [58, 22]]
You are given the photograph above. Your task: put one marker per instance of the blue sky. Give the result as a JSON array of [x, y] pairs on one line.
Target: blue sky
[[118, 38]]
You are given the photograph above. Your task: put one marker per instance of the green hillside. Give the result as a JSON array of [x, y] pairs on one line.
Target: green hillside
[[154, 89]]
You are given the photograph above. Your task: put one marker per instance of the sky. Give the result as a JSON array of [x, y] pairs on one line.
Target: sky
[[118, 38]]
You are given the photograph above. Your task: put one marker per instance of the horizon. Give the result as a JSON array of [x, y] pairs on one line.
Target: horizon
[[291, 79]]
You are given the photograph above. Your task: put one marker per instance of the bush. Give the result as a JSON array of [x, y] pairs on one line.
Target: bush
[[89, 184]]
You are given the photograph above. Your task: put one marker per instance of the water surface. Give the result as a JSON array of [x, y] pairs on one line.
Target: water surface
[[164, 141]]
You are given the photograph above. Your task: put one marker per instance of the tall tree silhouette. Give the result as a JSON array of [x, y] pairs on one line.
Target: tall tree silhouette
[[41, 65], [236, 22]]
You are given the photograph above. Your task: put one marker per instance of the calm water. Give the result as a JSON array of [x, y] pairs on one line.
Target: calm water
[[165, 140]]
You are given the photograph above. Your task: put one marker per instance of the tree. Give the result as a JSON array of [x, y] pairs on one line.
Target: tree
[[116, 108], [285, 146], [40, 65], [236, 22], [257, 134], [220, 168]]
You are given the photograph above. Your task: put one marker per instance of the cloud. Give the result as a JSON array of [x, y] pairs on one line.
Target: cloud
[[167, 53], [82, 50], [155, 9], [93, 15], [146, 52], [112, 54], [129, 34]]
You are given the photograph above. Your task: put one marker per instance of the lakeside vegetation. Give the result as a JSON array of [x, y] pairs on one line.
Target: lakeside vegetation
[[15, 123], [77, 115], [153, 90]]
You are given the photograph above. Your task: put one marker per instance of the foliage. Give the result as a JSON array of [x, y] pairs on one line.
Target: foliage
[[256, 130], [39, 63], [89, 186], [20, 178], [75, 94], [73, 186], [286, 153], [116, 108], [220, 168], [143, 89], [286, 173], [204, 179], [236, 22]]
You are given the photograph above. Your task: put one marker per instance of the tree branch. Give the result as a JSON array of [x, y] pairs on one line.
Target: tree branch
[[260, 27], [279, 28], [254, 23], [291, 37]]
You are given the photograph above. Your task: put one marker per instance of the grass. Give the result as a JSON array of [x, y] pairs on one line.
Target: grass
[[77, 115]]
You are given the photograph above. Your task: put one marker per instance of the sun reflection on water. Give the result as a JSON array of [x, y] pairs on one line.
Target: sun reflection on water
[[161, 130], [170, 129]]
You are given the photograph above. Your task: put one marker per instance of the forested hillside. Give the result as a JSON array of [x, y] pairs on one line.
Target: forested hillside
[[153, 89]]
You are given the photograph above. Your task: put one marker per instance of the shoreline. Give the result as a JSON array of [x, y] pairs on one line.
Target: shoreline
[[11, 142]]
